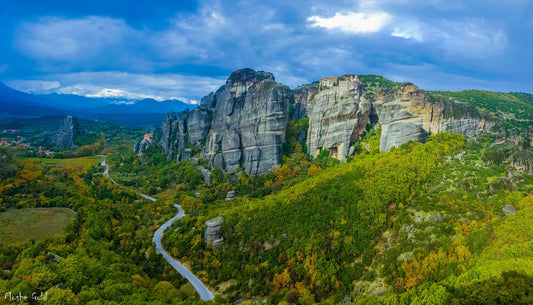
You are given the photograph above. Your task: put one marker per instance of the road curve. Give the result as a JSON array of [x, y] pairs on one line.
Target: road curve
[[204, 293]]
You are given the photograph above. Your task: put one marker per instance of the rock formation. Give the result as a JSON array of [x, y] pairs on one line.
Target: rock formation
[[174, 138], [338, 115], [242, 125], [409, 114], [302, 95], [65, 136], [213, 232], [145, 143]]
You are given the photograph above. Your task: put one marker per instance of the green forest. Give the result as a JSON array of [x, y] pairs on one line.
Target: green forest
[[422, 221]]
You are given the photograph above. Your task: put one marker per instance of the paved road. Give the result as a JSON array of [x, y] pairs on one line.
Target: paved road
[[205, 294], [104, 164], [148, 197]]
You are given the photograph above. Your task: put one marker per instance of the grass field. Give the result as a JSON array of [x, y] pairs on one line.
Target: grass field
[[82, 163], [18, 225]]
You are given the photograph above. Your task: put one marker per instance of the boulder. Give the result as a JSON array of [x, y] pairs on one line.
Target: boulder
[[508, 210], [230, 195], [212, 229]]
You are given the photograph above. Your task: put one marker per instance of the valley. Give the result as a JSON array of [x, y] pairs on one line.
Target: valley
[[353, 189]]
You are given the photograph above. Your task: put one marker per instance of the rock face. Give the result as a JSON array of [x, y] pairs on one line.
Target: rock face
[[302, 95], [145, 143], [65, 136], [409, 114], [338, 115], [213, 232], [174, 138], [241, 125]]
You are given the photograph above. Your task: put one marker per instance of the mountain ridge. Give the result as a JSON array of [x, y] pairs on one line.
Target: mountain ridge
[[17, 104]]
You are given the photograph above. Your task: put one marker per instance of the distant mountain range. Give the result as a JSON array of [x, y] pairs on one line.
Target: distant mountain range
[[16, 104]]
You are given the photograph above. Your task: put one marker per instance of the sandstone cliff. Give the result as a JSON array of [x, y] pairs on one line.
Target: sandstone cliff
[[409, 114], [65, 136], [241, 125], [338, 115]]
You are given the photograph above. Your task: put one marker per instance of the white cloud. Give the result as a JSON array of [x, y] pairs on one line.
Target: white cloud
[[69, 39], [109, 93], [194, 36], [353, 23], [34, 86], [124, 85], [273, 27], [123, 102], [411, 31]]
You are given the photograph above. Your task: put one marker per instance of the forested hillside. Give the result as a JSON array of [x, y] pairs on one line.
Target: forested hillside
[[447, 221], [422, 223]]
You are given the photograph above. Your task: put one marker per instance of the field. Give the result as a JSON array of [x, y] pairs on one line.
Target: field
[[18, 225], [82, 163]]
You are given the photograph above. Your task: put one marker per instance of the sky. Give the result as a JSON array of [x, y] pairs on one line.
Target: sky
[[187, 49]]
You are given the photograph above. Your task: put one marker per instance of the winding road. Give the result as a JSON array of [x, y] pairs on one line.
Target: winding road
[[205, 294], [203, 291]]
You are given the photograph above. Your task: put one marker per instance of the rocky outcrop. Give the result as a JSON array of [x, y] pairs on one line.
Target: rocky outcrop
[[213, 232], [250, 114], [338, 115], [65, 136], [241, 125], [340, 112], [409, 114], [230, 195], [145, 143], [198, 123], [174, 138], [509, 210]]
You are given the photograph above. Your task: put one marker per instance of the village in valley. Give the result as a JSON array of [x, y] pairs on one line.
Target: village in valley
[[13, 139]]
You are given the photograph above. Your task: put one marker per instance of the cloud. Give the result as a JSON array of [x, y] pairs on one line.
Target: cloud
[[110, 93], [299, 41], [471, 38], [34, 86], [411, 31], [353, 23], [69, 39], [125, 85], [460, 38]]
